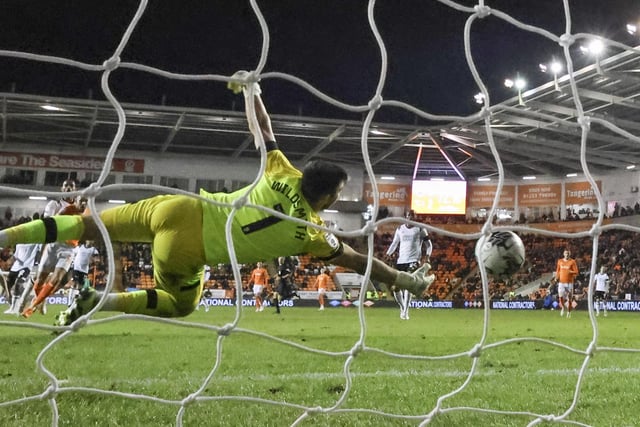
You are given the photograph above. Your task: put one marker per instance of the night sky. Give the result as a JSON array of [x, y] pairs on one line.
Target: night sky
[[328, 43]]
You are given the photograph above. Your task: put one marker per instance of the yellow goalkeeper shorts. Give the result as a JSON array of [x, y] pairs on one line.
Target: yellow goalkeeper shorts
[[173, 225]]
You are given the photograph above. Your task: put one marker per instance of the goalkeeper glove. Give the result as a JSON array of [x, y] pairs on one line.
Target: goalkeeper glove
[[237, 87], [416, 282]]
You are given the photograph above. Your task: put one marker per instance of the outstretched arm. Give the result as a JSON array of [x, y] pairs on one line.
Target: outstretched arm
[[416, 282], [253, 90], [264, 121], [353, 260]]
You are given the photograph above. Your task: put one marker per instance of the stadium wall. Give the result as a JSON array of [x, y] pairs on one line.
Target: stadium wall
[[417, 304], [189, 171]]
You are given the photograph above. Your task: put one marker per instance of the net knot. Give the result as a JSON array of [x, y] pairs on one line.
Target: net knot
[[486, 229], [356, 349], [584, 122], [482, 11], [240, 75], [370, 228], [50, 392], [111, 63], [591, 349], [485, 112], [79, 323], [375, 103], [92, 190], [239, 202], [225, 331], [189, 399], [252, 77], [316, 410], [567, 40], [246, 77], [475, 351]]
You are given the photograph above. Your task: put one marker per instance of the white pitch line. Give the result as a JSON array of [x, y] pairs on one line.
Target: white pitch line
[[335, 375]]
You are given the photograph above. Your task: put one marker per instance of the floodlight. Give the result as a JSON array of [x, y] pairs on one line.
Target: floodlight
[[595, 47], [479, 97], [632, 29], [519, 83], [556, 67]]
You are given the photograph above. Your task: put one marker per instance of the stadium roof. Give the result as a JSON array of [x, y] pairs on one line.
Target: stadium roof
[[539, 136]]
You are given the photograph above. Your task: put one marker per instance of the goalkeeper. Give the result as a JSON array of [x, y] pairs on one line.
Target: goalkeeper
[[186, 233]]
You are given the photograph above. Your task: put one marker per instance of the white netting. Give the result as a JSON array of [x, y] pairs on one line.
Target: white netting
[[376, 101]]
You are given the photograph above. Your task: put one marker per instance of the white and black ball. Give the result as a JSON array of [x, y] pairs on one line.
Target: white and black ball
[[502, 254]]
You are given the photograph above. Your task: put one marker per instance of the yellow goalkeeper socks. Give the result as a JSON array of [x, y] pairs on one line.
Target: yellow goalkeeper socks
[[152, 302], [51, 229], [30, 232]]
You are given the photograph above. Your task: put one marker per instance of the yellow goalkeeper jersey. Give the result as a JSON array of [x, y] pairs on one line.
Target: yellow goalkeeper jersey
[[258, 235]]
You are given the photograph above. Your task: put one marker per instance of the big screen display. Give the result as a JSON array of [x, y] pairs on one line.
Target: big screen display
[[439, 197]]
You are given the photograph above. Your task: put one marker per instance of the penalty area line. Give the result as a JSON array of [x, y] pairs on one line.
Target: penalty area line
[[377, 374]]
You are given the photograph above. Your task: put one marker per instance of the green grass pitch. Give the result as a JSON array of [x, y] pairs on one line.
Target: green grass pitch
[[132, 372]]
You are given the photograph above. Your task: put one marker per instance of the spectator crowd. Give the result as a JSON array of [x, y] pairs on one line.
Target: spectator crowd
[[452, 260]]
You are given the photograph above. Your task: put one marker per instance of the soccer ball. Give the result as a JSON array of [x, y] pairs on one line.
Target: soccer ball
[[502, 253]]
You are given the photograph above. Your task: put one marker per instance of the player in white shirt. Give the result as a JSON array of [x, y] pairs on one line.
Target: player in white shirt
[[56, 257], [82, 256], [410, 240], [24, 258], [206, 293], [601, 280]]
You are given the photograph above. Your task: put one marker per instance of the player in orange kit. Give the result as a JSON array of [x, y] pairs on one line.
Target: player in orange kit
[[322, 283], [566, 272], [57, 257], [260, 280]]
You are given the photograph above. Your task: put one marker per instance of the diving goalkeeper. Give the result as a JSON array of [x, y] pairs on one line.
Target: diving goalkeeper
[[186, 233]]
